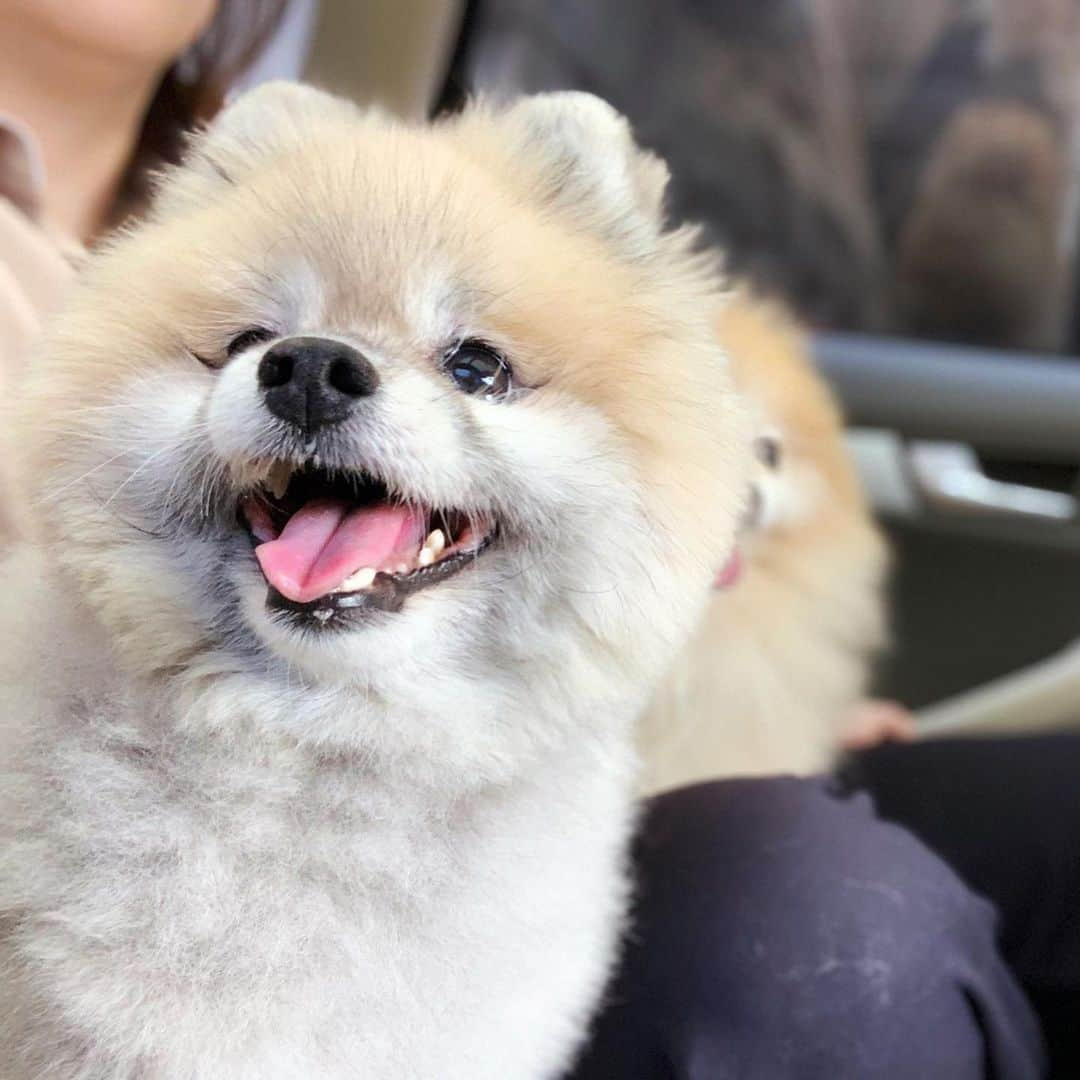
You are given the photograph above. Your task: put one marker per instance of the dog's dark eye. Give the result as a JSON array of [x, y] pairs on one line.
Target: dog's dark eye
[[252, 336], [768, 451], [478, 369]]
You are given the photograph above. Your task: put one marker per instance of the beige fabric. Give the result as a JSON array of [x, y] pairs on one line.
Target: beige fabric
[[36, 269]]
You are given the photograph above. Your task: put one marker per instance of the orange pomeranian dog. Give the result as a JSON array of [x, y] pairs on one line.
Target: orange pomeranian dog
[[782, 655]]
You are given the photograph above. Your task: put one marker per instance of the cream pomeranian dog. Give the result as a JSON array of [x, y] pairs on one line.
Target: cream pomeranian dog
[[375, 488], [782, 654]]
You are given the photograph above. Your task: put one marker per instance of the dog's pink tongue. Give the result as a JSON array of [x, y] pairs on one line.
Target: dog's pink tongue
[[730, 573], [325, 542]]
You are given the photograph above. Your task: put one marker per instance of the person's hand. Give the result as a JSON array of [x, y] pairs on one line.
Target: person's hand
[[875, 721]]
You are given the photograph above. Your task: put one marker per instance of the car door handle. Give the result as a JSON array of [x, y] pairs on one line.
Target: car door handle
[[948, 476]]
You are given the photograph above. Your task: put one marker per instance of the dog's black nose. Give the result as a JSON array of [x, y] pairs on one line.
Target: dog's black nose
[[314, 382]]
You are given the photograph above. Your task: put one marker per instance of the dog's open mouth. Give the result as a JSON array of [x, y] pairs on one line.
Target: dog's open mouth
[[336, 541]]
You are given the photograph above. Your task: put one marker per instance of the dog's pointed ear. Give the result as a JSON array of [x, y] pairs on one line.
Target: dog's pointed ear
[[266, 121], [590, 165]]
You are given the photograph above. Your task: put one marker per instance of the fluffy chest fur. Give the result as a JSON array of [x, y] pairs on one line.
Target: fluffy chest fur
[[191, 904]]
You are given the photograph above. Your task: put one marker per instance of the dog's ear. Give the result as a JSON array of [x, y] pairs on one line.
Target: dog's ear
[[590, 167], [274, 118]]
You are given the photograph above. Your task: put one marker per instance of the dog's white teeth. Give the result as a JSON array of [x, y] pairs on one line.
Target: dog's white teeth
[[323, 614], [432, 549], [278, 482], [360, 580], [401, 568]]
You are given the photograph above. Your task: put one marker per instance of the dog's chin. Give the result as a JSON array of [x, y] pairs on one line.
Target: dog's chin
[[337, 550]]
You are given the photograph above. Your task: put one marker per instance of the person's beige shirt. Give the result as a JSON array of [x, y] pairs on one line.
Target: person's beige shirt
[[36, 269]]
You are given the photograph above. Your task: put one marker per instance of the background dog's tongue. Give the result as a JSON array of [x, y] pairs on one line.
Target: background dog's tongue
[[325, 542], [731, 571]]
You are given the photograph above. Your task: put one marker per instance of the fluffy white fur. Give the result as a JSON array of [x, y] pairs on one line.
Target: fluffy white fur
[[236, 850]]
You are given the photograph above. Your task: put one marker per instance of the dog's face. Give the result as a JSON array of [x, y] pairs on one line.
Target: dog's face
[[807, 520], [787, 487], [385, 405]]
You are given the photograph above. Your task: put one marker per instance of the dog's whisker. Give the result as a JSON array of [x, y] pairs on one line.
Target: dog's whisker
[[71, 485], [136, 472]]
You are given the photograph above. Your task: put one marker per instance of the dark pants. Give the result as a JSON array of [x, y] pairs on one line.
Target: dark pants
[[783, 932], [1005, 814]]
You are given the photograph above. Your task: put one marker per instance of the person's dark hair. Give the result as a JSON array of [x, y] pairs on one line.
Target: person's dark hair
[[193, 90]]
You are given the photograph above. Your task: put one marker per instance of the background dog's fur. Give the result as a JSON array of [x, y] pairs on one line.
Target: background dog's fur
[[781, 655], [231, 849]]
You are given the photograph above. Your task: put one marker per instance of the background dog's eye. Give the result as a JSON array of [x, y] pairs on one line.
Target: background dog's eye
[[768, 450], [252, 336], [478, 369]]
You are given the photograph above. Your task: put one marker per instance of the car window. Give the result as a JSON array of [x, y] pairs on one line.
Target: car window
[[886, 167]]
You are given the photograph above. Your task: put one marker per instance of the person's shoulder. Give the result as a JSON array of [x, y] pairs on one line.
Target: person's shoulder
[[38, 263]]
